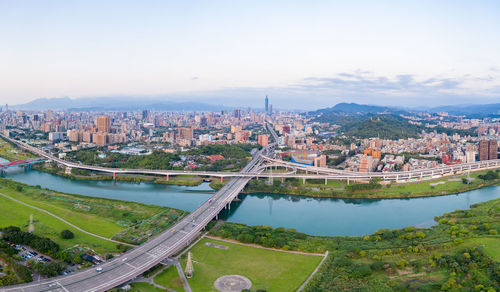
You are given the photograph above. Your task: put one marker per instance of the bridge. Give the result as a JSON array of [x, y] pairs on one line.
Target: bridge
[[295, 170], [22, 163], [138, 260]]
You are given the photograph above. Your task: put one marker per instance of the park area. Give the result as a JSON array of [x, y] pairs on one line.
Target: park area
[[267, 269]]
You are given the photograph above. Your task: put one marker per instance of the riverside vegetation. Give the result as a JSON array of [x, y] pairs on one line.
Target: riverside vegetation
[[373, 189], [460, 253]]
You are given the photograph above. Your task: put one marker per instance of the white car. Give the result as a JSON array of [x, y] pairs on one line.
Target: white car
[[99, 270]]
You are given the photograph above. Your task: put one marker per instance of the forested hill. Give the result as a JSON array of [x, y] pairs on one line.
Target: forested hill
[[345, 113], [391, 127], [383, 126]]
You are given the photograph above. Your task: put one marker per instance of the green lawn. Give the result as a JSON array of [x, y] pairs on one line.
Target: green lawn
[[105, 217], [144, 287], [16, 214], [169, 278], [491, 245], [267, 269]]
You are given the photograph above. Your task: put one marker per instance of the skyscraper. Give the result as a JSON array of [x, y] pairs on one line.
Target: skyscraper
[[103, 124], [267, 105]]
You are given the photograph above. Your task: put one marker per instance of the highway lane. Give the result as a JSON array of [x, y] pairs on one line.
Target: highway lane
[[136, 261]]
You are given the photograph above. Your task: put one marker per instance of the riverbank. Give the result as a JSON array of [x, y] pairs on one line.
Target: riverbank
[[460, 252], [340, 189], [121, 221]]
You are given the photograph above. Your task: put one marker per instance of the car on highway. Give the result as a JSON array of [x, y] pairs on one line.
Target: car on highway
[[99, 270]]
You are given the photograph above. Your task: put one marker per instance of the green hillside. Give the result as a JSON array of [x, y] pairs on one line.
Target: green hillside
[[385, 127]]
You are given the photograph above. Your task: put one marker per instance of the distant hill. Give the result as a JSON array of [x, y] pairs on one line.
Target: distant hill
[[383, 126], [354, 108], [471, 110], [345, 113], [116, 104]]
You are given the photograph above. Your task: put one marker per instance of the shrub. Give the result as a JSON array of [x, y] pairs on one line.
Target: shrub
[[67, 234], [377, 266], [362, 271]]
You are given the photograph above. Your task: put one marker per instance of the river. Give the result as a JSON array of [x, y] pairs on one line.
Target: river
[[315, 216]]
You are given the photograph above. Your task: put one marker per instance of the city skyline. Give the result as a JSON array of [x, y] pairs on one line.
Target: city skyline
[[315, 54]]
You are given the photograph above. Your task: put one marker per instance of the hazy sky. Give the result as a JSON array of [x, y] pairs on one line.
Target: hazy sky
[[301, 53]]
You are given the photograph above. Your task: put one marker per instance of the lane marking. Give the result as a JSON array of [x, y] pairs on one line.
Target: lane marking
[[62, 287]]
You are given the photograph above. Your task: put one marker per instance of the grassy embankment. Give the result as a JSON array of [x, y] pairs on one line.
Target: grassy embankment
[[12, 153], [123, 221], [340, 189], [461, 252]]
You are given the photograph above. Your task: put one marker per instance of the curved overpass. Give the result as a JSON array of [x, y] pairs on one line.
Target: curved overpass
[[138, 260], [311, 171]]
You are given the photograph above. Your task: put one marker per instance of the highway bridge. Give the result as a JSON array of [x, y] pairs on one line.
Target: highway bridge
[[295, 170], [138, 260]]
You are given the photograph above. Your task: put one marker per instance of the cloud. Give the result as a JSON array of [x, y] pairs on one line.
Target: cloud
[[364, 87]]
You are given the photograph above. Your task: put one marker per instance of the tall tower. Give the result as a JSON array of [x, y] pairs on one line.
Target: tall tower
[[267, 105]]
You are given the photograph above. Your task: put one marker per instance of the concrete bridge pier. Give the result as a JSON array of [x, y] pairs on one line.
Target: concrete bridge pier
[[168, 177], [326, 181]]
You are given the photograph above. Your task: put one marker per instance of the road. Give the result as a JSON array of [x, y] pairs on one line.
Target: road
[[138, 260]]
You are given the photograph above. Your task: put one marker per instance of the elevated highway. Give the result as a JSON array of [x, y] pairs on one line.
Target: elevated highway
[[295, 170], [138, 260]]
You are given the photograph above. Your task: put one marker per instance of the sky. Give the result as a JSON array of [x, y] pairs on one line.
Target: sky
[[303, 54]]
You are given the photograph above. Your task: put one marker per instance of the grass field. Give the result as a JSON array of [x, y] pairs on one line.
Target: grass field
[[267, 269], [11, 153], [169, 278], [144, 287], [491, 246], [104, 217], [14, 214]]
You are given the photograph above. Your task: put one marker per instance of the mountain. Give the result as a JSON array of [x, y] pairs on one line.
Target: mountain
[[117, 104]]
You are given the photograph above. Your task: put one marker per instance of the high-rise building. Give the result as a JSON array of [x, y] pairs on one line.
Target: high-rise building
[[103, 124], [263, 140], [488, 150], [493, 149], [267, 105], [185, 133]]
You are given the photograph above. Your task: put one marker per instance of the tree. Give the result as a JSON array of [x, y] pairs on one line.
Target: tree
[[66, 234]]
